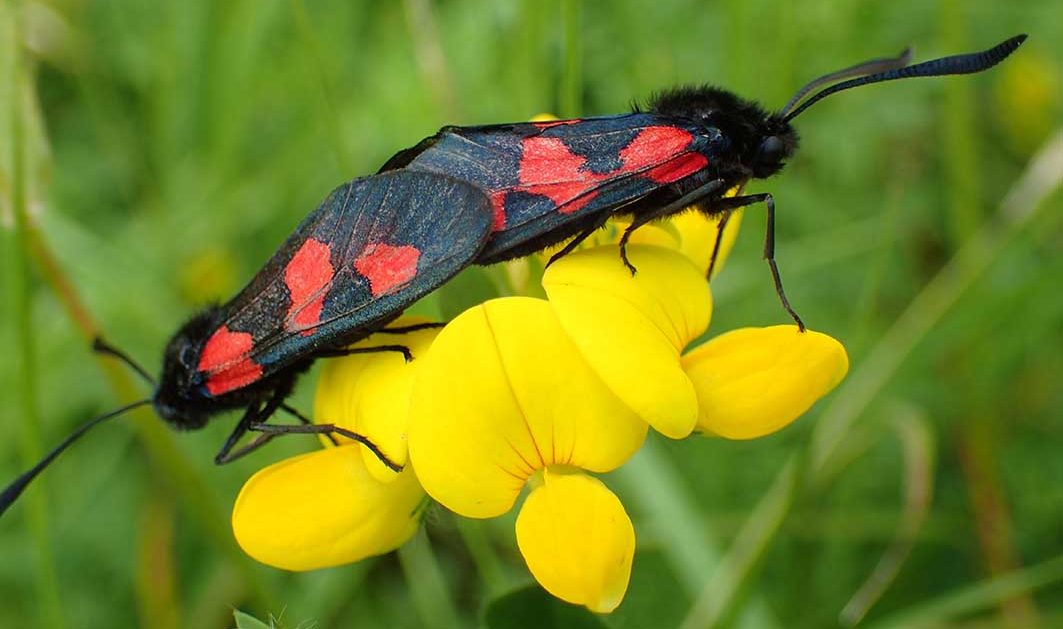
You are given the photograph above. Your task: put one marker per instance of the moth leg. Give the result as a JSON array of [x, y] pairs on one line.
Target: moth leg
[[304, 419], [256, 443], [635, 224], [571, 245], [698, 195], [347, 351], [720, 226], [406, 329], [254, 414], [225, 455], [732, 203], [273, 430]]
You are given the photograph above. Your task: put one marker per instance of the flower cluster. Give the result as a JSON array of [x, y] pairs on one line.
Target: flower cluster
[[521, 393]]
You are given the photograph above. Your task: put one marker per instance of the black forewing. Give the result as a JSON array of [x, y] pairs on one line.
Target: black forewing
[[444, 220]]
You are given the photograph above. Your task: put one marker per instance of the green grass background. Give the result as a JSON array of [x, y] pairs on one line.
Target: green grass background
[[170, 146]]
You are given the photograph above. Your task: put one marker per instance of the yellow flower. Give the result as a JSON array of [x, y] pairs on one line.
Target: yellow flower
[[504, 397], [340, 504], [521, 391]]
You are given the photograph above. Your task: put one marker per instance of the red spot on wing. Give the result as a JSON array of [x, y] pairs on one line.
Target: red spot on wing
[[654, 145], [547, 161], [550, 169], [307, 276], [680, 167], [225, 359], [387, 267], [239, 375], [498, 205]]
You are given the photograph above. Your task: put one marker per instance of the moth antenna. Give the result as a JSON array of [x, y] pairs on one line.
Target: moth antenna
[[871, 66], [15, 489], [958, 64], [103, 347]]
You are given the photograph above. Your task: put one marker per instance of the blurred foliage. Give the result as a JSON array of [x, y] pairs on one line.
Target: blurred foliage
[[173, 145]]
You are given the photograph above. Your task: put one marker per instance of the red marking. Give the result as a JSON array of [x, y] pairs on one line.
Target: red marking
[[549, 168], [239, 375], [498, 204], [307, 276], [387, 267], [546, 124], [225, 359], [651, 144], [678, 168], [548, 160]]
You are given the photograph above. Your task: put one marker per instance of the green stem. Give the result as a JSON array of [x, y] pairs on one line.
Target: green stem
[[570, 98], [688, 543], [428, 588], [959, 129], [718, 602], [332, 119], [492, 569], [180, 476], [978, 597], [25, 384]]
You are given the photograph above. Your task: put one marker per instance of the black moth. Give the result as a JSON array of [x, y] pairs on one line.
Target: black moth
[[472, 195]]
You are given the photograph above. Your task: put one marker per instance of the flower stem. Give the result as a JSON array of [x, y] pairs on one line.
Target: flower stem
[[978, 597], [570, 96], [717, 603], [312, 46], [497, 580], [428, 588], [686, 540], [180, 475], [20, 304]]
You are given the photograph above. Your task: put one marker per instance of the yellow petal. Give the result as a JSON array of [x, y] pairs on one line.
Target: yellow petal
[[370, 394], [324, 509], [577, 540], [754, 381], [502, 393], [632, 329]]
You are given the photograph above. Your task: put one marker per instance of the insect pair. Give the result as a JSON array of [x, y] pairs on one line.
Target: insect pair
[[473, 195]]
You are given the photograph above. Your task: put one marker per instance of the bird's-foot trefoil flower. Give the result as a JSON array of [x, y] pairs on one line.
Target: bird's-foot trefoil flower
[[504, 399], [522, 392]]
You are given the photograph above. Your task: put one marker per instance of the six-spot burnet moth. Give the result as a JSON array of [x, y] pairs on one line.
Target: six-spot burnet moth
[[561, 180], [375, 246], [471, 195]]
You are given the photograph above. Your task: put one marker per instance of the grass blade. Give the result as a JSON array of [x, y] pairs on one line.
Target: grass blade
[[19, 301]]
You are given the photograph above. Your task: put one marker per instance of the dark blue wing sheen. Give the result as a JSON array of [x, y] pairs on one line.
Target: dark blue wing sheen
[[371, 249]]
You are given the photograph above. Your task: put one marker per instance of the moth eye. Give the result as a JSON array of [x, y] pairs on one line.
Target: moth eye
[[771, 149], [187, 356]]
